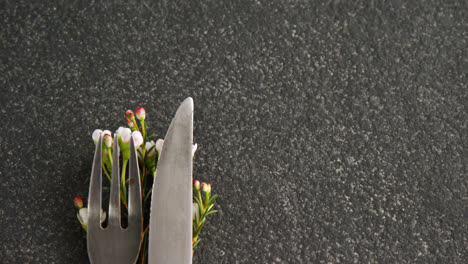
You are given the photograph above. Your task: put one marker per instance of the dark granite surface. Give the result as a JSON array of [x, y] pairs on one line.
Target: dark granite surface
[[333, 132]]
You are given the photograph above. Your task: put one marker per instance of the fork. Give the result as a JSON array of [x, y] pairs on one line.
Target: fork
[[114, 244]]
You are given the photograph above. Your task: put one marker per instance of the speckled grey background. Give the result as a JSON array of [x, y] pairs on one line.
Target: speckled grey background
[[334, 132]]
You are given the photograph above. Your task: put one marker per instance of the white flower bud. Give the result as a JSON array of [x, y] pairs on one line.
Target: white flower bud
[[107, 140], [159, 145], [137, 138], [148, 146], [82, 216], [126, 134], [194, 148], [195, 210], [106, 132], [96, 135]]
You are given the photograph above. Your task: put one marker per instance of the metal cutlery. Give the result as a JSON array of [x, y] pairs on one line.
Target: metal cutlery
[[170, 230], [114, 244]]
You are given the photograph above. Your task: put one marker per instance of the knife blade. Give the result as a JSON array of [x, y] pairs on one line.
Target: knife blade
[[170, 230]]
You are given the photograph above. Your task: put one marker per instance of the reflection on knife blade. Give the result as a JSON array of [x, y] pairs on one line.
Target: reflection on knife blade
[[170, 231]]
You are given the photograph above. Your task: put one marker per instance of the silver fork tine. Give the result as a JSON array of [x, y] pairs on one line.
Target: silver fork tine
[[114, 244], [94, 197], [114, 200], [134, 196]]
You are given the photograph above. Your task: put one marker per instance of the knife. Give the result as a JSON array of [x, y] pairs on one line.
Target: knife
[[170, 229]]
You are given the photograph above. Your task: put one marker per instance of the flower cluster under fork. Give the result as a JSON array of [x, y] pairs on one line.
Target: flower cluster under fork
[[148, 152]]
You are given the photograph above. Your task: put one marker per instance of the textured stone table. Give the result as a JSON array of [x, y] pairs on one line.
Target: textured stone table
[[333, 132]]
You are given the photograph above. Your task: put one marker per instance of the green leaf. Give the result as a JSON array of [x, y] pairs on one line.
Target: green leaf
[[148, 194], [196, 243], [211, 201], [152, 136], [211, 212], [199, 206], [150, 149], [198, 231], [197, 220], [107, 174]]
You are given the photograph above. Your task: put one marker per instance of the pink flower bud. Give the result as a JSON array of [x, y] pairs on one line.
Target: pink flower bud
[[137, 138], [108, 140], [96, 135], [140, 113], [206, 187], [129, 115], [78, 202], [196, 184], [131, 122]]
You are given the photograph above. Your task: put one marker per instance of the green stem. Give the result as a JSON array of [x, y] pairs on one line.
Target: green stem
[[147, 195], [200, 199], [107, 174], [143, 146], [207, 199], [143, 130], [122, 181], [109, 157], [135, 125]]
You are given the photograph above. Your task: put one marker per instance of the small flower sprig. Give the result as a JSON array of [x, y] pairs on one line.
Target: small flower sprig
[[82, 214], [148, 154], [202, 208]]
